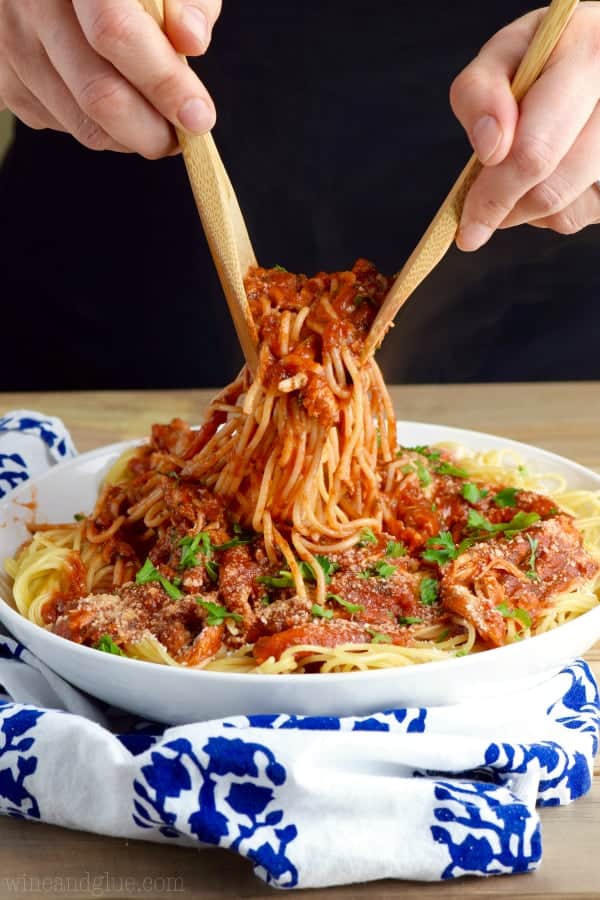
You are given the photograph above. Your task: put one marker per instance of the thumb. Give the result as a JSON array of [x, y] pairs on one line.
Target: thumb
[[481, 96]]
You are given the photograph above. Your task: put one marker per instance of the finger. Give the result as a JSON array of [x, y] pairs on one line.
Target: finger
[[108, 104], [579, 168], [36, 72], [553, 114], [582, 212], [481, 96], [123, 33], [189, 24], [24, 105]]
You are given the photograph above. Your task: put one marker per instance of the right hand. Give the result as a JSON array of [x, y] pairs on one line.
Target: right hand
[[104, 72], [540, 157]]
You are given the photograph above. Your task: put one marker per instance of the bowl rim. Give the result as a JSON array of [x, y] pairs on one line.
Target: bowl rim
[[496, 656]]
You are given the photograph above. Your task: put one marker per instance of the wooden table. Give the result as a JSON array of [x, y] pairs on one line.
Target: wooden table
[[560, 417]]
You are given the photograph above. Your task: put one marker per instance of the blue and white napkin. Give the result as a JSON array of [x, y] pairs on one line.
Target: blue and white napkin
[[29, 444], [423, 794]]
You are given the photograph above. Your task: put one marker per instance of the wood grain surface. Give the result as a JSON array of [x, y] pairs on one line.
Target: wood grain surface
[[41, 861]]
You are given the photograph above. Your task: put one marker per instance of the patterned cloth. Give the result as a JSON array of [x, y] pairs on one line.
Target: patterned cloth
[[29, 444], [423, 794]]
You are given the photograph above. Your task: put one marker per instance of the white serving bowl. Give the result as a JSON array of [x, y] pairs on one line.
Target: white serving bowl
[[179, 695]]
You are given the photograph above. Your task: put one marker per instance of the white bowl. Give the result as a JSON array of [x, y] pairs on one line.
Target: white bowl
[[179, 695]]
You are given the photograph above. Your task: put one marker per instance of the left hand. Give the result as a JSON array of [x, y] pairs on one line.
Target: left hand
[[541, 161], [104, 72]]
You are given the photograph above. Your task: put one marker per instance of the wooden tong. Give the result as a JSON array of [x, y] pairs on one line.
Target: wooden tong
[[436, 241], [222, 221]]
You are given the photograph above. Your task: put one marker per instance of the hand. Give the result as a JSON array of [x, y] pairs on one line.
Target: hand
[[103, 71], [541, 161]]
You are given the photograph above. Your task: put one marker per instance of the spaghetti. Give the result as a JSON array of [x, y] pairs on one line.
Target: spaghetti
[[291, 533]]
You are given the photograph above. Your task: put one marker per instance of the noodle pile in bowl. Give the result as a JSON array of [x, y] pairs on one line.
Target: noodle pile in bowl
[[293, 533]]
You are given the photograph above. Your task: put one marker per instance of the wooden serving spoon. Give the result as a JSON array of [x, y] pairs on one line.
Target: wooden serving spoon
[[438, 238], [222, 221]]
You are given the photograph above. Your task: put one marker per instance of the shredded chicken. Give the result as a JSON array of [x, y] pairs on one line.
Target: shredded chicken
[[517, 572]]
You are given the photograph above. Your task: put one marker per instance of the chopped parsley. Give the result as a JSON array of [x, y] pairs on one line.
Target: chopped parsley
[[461, 653], [321, 613], [328, 566], [429, 591], [423, 473], [522, 520], [380, 569], [306, 571], [423, 450], [475, 521], [383, 569], [366, 537], [149, 573], [506, 497], [531, 571], [217, 614], [285, 579], [483, 529], [279, 268], [378, 638], [79, 517], [446, 468], [467, 543], [409, 620], [395, 549], [352, 608], [107, 645], [441, 550], [472, 493], [521, 615], [408, 469], [212, 569], [190, 546], [265, 600], [442, 635]]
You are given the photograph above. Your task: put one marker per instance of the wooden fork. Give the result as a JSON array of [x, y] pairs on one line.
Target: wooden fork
[[222, 221]]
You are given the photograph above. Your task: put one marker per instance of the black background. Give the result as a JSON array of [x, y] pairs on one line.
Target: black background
[[335, 126]]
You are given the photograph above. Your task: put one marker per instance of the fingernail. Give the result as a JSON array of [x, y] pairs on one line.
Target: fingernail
[[486, 136], [194, 20], [197, 116], [473, 236]]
